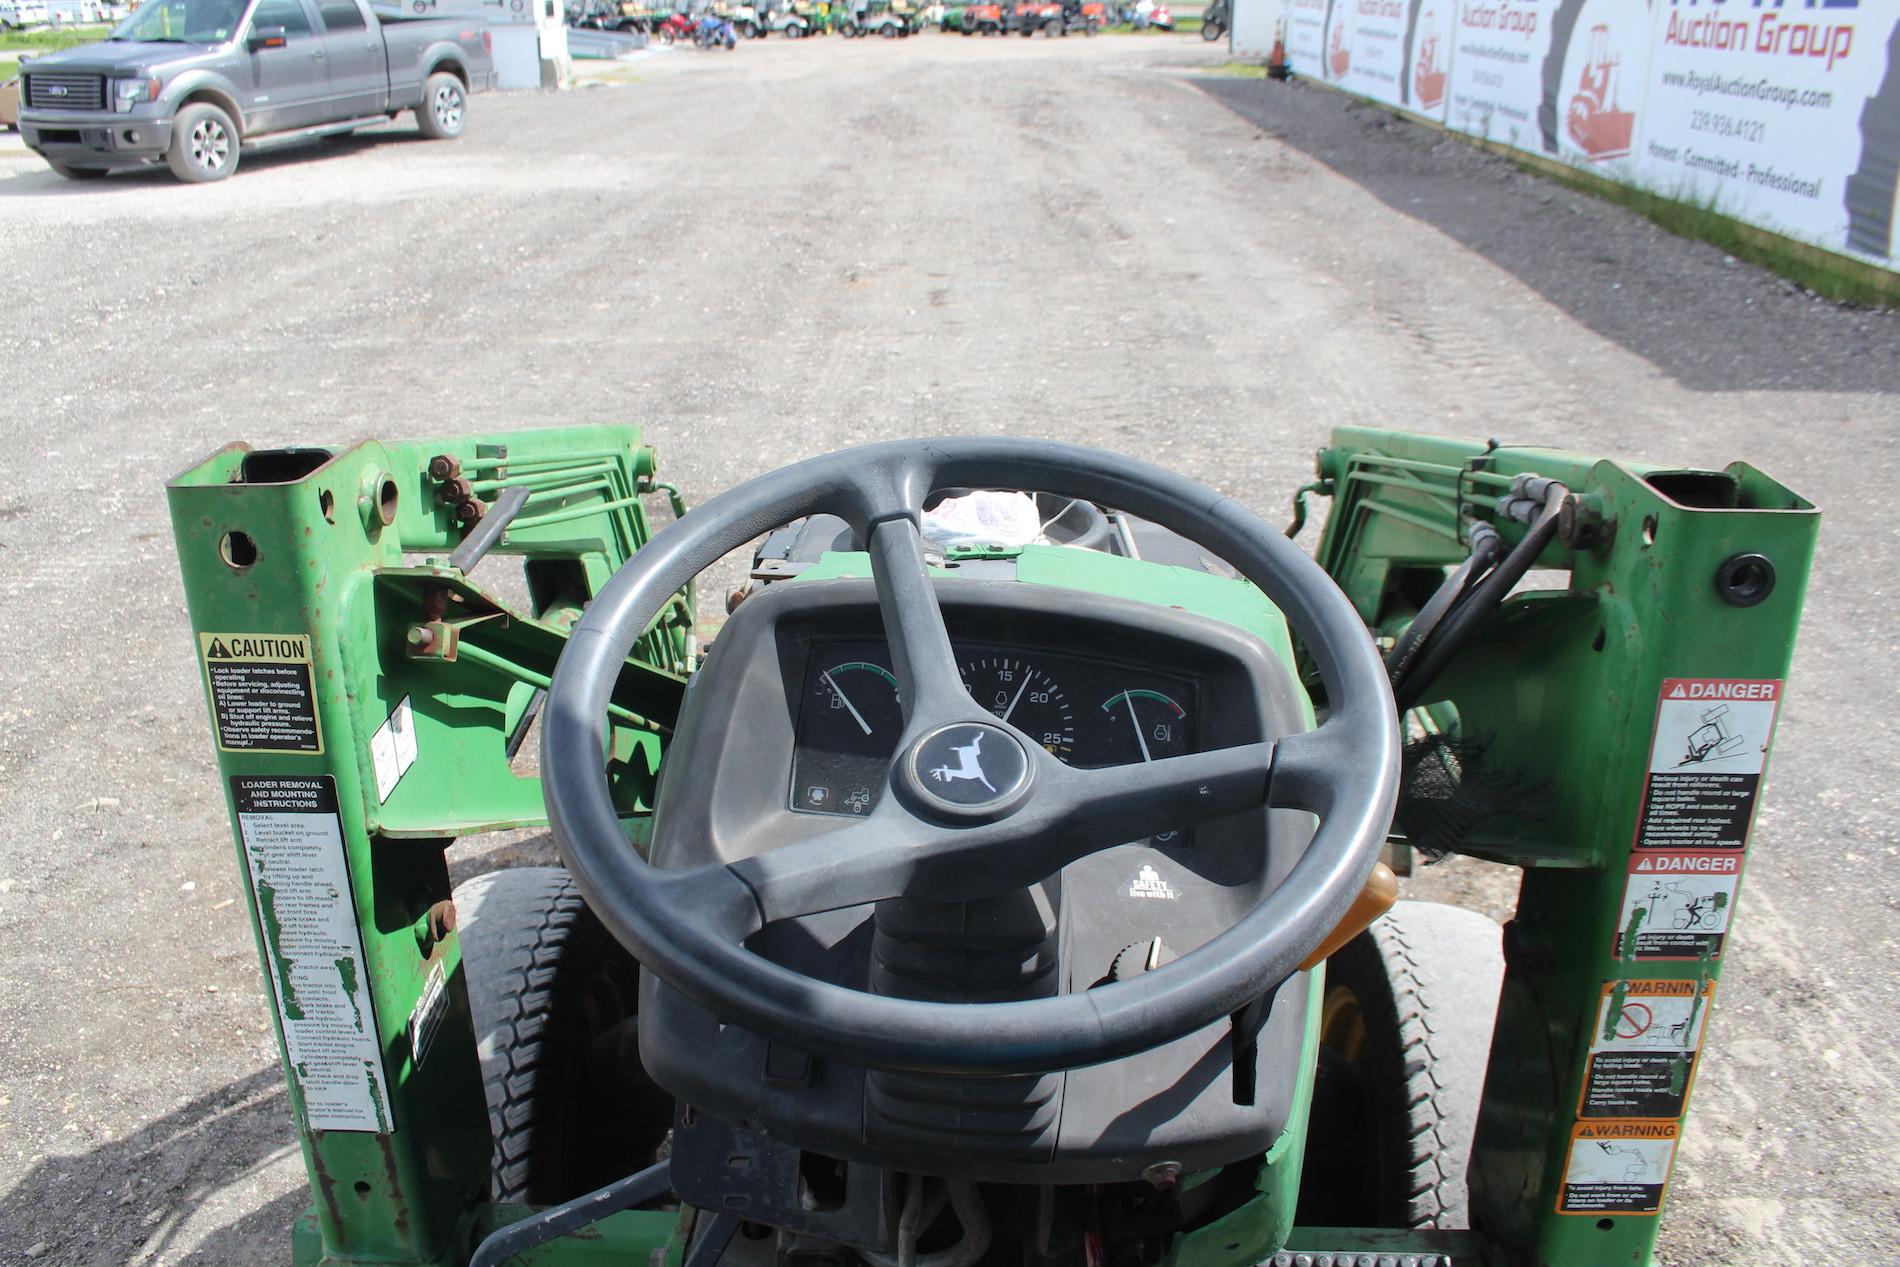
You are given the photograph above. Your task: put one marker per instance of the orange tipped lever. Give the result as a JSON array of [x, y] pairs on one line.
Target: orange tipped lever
[[1382, 889]]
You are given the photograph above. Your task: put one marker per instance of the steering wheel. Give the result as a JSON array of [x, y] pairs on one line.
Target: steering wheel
[[963, 824]]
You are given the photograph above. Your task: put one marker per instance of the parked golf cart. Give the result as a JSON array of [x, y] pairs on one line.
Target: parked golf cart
[[744, 18], [1215, 20], [877, 17], [791, 23]]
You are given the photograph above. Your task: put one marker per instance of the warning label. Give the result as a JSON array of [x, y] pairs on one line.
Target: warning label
[[261, 694], [1617, 1167], [1705, 762], [392, 748], [1643, 1052], [1677, 905], [293, 847]]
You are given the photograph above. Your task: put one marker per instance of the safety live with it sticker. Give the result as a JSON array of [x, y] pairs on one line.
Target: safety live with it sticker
[[300, 878], [261, 694], [1705, 762], [1677, 905], [1617, 1167], [1643, 1051]]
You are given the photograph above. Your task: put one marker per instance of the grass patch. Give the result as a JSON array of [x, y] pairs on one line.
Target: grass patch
[[1811, 267], [1236, 70], [1190, 26], [34, 42]]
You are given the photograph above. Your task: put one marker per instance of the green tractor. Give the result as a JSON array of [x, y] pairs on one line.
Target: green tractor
[[1005, 883]]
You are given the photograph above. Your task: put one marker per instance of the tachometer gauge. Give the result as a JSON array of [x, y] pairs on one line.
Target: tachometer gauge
[[1025, 697], [1144, 725]]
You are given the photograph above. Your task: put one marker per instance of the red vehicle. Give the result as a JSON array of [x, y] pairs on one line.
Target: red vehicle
[[1053, 18], [984, 18], [676, 27]]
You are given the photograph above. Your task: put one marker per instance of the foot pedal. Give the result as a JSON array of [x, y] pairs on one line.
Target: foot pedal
[[1354, 1258]]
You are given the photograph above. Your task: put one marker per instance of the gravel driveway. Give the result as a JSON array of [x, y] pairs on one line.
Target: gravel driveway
[[767, 254]]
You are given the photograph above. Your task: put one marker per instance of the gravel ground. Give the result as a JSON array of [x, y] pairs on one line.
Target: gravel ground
[[772, 253]]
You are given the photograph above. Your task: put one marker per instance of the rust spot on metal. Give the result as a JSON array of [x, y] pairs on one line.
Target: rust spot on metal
[[397, 1198], [325, 1184]]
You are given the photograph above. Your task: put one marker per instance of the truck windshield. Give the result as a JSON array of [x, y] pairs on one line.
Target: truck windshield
[[182, 22]]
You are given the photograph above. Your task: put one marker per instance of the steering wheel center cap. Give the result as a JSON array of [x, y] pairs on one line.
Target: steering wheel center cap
[[969, 770]]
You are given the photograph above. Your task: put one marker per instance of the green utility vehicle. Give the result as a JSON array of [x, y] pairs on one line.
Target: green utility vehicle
[[1003, 885]]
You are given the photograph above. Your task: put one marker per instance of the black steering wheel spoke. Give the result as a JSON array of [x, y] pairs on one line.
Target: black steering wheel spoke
[[1133, 802], [929, 686]]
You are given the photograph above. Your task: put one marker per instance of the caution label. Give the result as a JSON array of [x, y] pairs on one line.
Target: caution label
[[1643, 1051], [1705, 762], [1618, 1167], [261, 694], [300, 879], [1677, 905]]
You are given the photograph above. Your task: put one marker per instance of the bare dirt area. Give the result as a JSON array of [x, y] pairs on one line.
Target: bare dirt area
[[767, 254]]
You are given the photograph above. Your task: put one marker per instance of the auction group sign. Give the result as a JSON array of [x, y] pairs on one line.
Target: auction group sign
[[1782, 113]]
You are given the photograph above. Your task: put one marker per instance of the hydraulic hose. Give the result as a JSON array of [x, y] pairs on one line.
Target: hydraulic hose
[[1456, 628], [1485, 544]]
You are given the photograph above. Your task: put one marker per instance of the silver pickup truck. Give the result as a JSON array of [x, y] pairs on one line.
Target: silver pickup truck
[[194, 82]]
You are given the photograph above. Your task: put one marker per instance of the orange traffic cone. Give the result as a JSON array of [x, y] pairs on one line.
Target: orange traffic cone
[[1276, 60]]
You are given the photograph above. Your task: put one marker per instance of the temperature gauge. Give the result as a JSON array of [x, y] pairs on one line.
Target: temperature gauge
[[1143, 725]]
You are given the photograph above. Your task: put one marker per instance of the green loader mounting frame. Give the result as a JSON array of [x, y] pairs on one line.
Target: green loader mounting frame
[[370, 702], [1672, 594], [376, 625]]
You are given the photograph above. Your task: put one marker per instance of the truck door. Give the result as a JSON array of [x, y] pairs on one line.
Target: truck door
[[359, 77], [290, 83]]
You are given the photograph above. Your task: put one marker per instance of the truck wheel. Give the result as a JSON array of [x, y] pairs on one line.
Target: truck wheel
[[1405, 1034], [555, 1003], [444, 109], [76, 173], [204, 144]]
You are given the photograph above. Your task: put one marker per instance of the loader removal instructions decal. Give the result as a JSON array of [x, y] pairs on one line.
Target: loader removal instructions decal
[[300, 880], [1643, 1050], [261, 696], [1617, 1167], [1705, 763]]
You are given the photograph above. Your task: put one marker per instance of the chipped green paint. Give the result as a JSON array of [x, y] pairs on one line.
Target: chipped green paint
[[346, 972], [376, 1097], [280, 963]]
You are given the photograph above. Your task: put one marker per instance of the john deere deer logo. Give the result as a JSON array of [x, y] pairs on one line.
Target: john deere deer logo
[[969, 764]]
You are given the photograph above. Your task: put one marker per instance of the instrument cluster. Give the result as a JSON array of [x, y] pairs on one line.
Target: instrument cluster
[[1087, 712]]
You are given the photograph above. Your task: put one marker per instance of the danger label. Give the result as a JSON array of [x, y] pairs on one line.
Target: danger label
[[261, 696], [1643, 1051], [1705, 762], [300, 880], [1617, 1167], [1677, 905]]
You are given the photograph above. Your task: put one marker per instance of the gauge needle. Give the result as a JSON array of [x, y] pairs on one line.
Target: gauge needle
[[1135, 721], [1019, 695], [849, 707]]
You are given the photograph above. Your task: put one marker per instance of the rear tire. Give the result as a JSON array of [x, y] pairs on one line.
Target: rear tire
[[1405, 1035], [204, 144], [444, 109], [555, 1003], [76, 173]]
